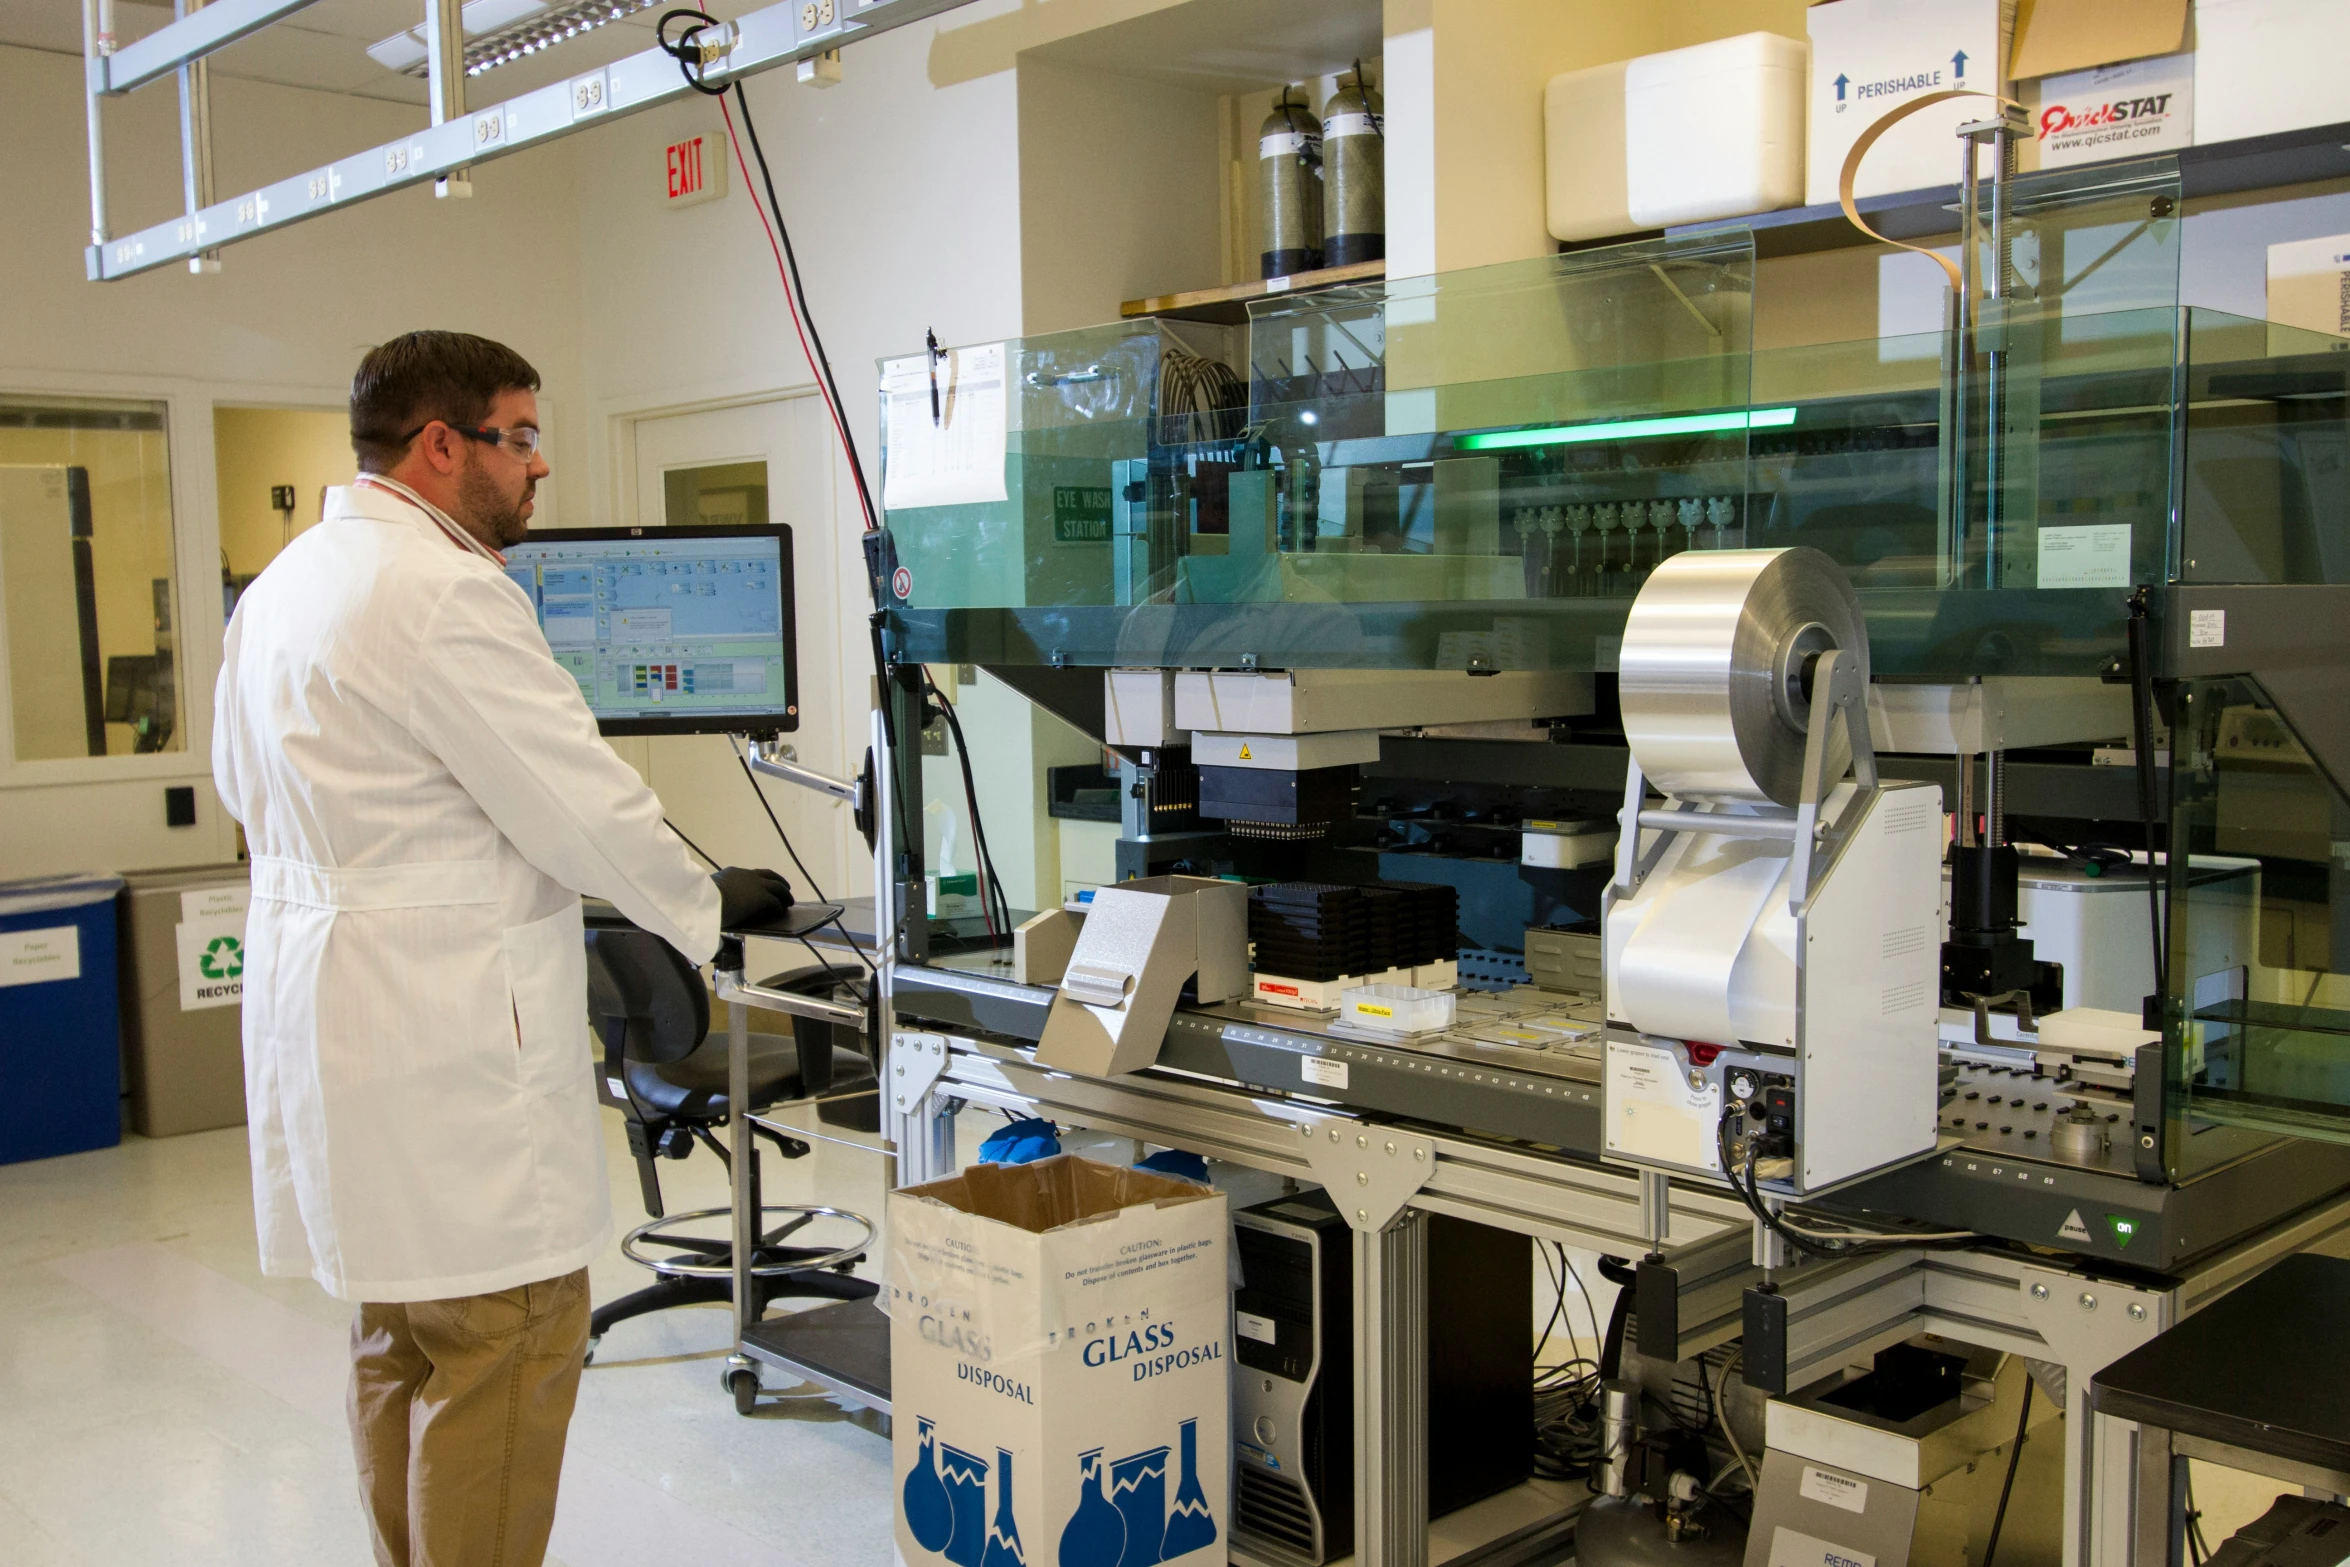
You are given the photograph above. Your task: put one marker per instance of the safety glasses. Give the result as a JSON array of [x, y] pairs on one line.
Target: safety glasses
[[521, 439]]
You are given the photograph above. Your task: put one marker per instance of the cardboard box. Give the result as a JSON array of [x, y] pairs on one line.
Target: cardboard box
[[2061, 37], [2129, 110], [2263, 66], [1869, 57], [1060, 1361], [2309, 284]]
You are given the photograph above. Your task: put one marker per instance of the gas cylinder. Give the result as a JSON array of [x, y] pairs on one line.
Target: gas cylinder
[[1354, 168], [1289, 161]]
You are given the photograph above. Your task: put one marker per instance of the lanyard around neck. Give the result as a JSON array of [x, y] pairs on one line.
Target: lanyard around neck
[[440, 519]]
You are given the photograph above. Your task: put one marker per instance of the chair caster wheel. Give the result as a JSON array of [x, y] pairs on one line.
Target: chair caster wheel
[[589, 1358], [744, 1385]]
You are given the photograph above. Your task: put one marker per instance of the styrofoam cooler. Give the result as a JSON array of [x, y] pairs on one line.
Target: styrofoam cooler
[[1060, 1367], [60, 1021]]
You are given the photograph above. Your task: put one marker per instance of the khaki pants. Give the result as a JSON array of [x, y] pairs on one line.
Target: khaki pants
[[458, 1411]]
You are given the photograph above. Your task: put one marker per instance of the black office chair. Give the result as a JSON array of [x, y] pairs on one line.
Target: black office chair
[[666, 1071]]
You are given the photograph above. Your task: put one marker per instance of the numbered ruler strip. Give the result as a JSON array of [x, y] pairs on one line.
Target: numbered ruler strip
[[776, 35]]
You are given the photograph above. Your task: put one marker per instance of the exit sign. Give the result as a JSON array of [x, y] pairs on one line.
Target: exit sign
[[693, 171]]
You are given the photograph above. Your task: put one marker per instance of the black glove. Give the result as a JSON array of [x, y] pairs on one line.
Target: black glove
[[750, 897]]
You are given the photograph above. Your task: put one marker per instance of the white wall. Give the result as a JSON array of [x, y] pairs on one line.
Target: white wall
[[904, 203], [284, 321], [1121, 192]]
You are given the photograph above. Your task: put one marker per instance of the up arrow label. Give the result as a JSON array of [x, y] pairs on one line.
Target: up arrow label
[[1841, 82], [2073, 1229], [1958, 64]]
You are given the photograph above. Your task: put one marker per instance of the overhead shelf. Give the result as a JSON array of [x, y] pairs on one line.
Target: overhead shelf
[[1228, 306], [2298, 157]]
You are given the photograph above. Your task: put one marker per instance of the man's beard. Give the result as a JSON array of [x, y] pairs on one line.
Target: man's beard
[[488, 510]]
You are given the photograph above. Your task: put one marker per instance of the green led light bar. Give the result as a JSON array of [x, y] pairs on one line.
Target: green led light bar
[[1629, 429]]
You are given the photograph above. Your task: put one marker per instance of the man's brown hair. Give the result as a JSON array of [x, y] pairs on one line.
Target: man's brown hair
[[416, 378]]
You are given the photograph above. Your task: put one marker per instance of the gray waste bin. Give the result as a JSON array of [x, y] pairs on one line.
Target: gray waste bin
[[183, 964]]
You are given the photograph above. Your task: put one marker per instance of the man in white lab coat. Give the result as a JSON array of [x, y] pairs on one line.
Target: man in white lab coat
[[425, 796]]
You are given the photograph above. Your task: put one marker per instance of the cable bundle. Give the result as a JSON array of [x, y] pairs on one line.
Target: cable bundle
[[1199, 399]]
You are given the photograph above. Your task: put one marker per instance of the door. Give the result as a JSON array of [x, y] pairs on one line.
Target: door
[[771, 462]]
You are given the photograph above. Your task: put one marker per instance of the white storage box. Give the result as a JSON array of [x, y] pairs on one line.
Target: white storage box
[[1685, 136], [1715, 131], [1585, 186], [1060, 1366], [2263, 66], [1872, 56], [1397, 1009], [2309, 284], [1568, 845]]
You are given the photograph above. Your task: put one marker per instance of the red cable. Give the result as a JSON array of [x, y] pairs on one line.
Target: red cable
[[823, 393]]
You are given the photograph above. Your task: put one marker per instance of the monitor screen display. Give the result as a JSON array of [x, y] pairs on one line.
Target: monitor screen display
[[669, 630]]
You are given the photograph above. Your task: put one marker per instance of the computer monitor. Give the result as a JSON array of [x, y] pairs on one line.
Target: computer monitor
[[669, 630]]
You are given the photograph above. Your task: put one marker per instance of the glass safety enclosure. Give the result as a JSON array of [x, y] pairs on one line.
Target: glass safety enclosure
[[1477, 470], [2262, 1018]]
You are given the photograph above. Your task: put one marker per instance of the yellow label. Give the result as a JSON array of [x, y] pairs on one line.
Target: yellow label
[[1244, 756], [1372, 1009]]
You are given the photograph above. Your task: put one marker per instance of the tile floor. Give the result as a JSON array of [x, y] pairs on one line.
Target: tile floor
[[161, 1402]]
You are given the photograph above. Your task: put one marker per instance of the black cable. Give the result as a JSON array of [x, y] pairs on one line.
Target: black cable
[[2015, 1455], [993, 886], [689, 843], [1590, 1309], [1611, 1352], [1817, 1246], [815, 892], [983, 876], [1754, 1203], [807, 317], [1558, 1305], [688, 64], [2141, 661]]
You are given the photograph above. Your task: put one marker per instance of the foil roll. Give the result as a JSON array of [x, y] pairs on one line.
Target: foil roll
[[1716, 665]]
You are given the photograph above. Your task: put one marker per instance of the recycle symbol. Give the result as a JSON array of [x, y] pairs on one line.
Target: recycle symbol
[[224, 958]]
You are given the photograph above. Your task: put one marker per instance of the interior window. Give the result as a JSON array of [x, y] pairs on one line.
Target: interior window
[[273, 467], [730, 494], [87, 598]]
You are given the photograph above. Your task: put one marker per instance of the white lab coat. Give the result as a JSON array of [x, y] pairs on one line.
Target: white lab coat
[[425, 796]]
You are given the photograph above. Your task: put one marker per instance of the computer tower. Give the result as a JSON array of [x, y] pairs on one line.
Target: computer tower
[[1293, 1381]]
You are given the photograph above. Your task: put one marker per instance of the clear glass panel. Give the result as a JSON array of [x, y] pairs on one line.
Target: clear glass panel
[[1478, 469], [1403, 479], [2259, 958], [730, 495], [2266, 481], [86, 592], [1078, 439]]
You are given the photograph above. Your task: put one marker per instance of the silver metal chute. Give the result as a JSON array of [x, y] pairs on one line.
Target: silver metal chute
[[1715, 678]]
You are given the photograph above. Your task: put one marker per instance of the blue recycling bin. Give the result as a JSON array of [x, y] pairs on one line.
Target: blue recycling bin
[[60, 1017]]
